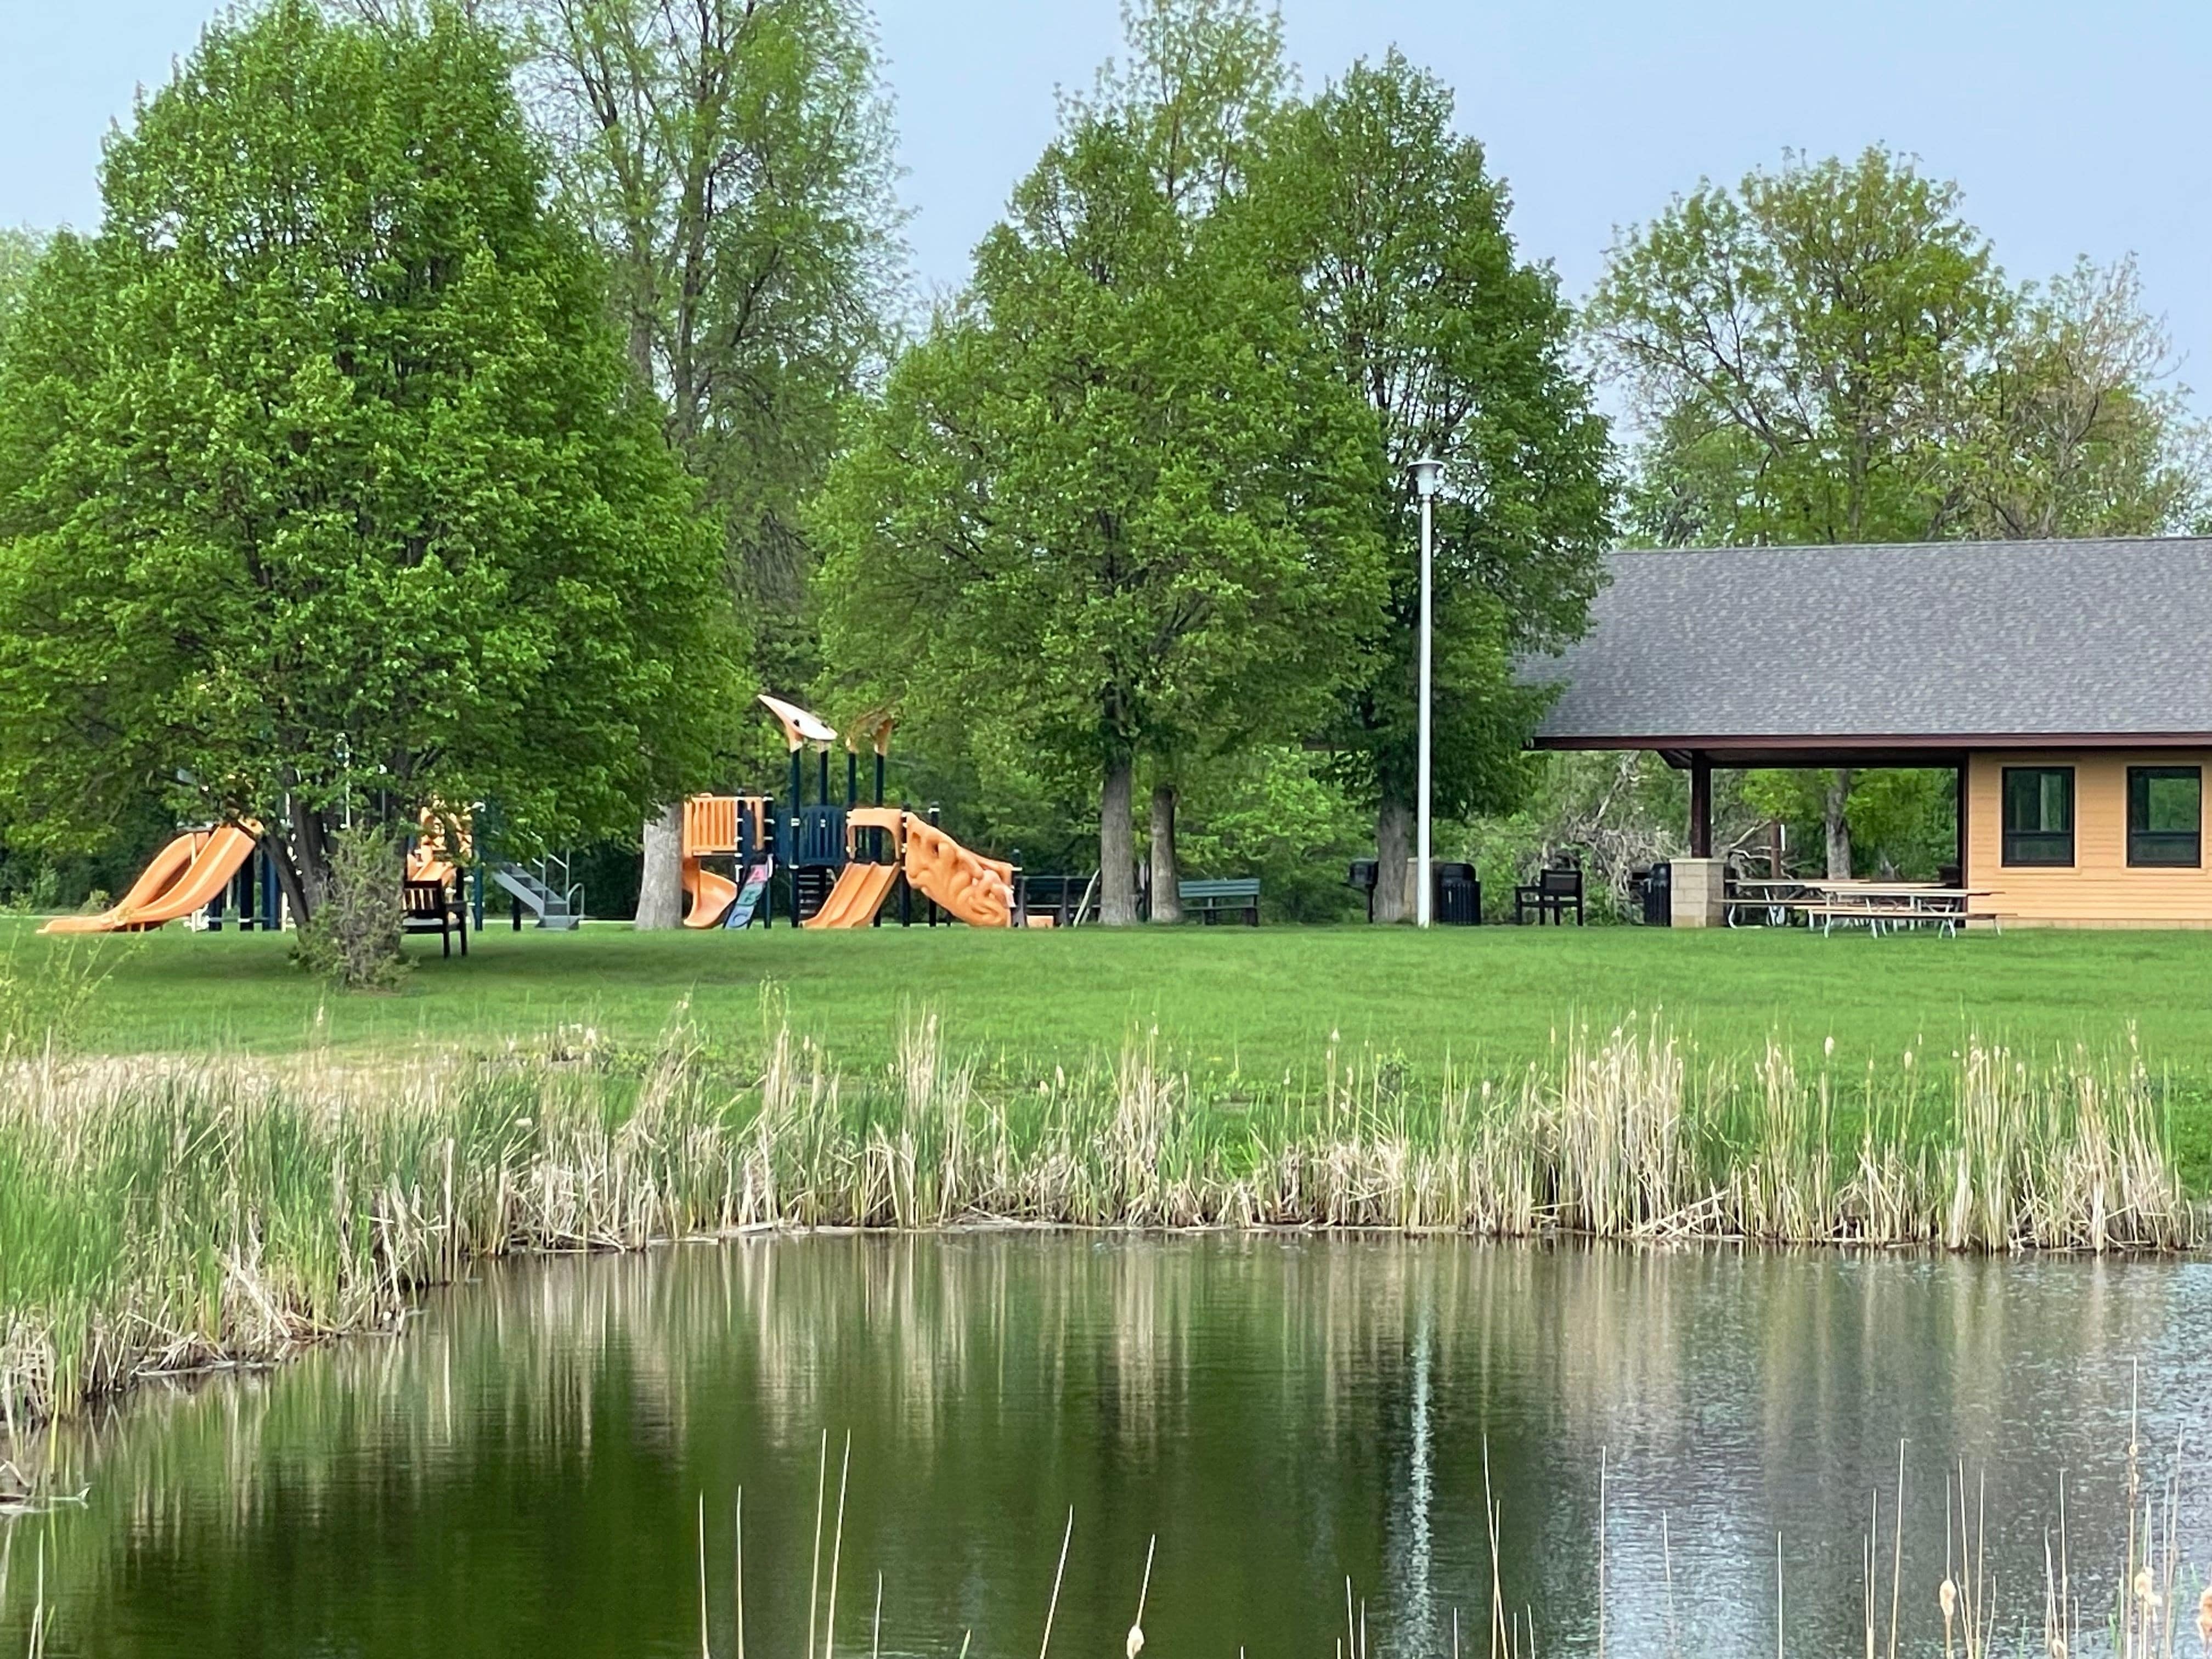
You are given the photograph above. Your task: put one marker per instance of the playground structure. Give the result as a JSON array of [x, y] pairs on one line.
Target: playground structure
[[829, 865], [839, 864], [221, 870]]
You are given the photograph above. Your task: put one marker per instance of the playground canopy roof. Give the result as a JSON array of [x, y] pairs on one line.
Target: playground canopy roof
[[1898, 654]]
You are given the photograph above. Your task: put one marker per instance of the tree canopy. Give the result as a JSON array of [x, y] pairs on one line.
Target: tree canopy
[[1115, 501], [324, 485]]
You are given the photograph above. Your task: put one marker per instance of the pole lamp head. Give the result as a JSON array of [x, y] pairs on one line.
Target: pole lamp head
[[1428, 475]]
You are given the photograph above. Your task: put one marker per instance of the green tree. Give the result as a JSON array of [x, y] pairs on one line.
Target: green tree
[[324, 488], [733, 157], [1803, 352], [1114, 503], [20, 250], [1397, 232], [2077, 428]]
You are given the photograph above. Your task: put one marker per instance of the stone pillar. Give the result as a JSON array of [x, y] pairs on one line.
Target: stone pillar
[[1701, 805], [1699, 886]]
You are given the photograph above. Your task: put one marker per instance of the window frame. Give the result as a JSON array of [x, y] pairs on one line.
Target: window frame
[[2013, 842], [2138, 838]]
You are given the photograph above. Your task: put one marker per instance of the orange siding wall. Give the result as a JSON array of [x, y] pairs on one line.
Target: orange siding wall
[[2102, 889]]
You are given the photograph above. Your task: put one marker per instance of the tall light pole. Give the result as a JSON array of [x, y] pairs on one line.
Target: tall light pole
[[1428, 474]]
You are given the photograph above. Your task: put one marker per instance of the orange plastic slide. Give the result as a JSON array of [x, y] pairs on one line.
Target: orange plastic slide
[[978, 890], [859, 894], [711, 895], [184, 875]]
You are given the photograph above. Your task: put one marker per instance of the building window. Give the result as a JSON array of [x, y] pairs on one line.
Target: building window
[[2038, 815], [2166, 815]]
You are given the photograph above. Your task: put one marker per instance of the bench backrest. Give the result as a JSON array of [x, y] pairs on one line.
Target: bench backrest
[[1566, 880], [1231, 887], [427, 898]]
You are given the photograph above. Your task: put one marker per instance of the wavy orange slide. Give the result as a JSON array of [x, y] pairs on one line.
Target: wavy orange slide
[[184, 875], [977, 890]]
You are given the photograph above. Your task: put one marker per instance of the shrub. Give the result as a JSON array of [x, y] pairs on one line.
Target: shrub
[[353, 939]]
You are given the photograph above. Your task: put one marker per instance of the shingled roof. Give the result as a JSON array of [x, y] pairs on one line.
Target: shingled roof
[[1926, 645]]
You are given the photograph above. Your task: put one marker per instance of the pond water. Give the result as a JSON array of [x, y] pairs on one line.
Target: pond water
[[521, 1472]]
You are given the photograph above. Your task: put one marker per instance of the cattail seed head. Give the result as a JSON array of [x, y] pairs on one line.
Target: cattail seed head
[[1135, 1644], [2204, 1618], [1947, 1595]]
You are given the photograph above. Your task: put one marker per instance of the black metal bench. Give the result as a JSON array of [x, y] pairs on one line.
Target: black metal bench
[[1210, 899], [1551, 895], [432, 907]]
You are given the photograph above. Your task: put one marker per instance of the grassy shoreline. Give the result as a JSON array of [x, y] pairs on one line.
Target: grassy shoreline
[[1264, 999], [155, 1216]]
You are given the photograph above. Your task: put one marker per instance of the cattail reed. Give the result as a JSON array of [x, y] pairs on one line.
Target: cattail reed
[[159, 1216]]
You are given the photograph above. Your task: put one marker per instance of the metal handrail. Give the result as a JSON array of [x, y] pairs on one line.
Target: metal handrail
[[571, 892]]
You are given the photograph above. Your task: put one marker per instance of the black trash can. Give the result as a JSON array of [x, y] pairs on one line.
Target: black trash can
[[1458, 895], [1659, 896], [1362, 878]]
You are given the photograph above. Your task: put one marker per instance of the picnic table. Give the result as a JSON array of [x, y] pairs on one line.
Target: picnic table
[[1874, 904], [1776, 897]]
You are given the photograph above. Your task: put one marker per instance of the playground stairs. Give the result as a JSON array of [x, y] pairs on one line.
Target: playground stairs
[[549, 905], [814, 884]]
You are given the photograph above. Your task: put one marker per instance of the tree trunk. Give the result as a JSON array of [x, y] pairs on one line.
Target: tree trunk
[[1394, 852], [1837, 826], [1167, 899], [661, 887], [1117, 846], [308, 859], [278, 850]]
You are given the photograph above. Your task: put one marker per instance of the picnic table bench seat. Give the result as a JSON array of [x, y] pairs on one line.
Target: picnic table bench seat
[[1210, 898], [1894, 913]]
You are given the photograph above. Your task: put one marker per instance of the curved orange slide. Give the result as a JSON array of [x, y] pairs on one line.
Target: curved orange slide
[[859, 894], [184, 877], [711, 895]]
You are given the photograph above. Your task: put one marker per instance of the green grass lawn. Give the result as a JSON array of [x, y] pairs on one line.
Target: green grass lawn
[[1268, 1000]]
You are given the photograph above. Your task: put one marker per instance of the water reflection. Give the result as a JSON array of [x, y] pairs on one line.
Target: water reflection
[[519, 1472]]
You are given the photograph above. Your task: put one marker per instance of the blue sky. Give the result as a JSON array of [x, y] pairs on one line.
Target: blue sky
[[2073, 128]]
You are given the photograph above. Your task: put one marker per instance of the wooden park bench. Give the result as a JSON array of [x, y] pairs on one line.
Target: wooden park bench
[[1209, 899], [432, 907]]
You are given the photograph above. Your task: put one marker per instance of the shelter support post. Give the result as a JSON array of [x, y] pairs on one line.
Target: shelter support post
[[1961, 820], [1701, 805], [1700, 889]]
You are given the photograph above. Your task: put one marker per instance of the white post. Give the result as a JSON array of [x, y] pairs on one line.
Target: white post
[[1426, 892], [1426, 472]]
